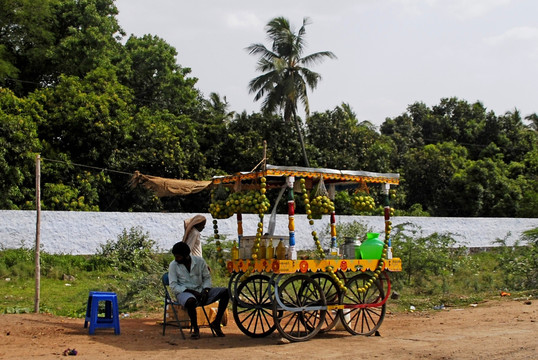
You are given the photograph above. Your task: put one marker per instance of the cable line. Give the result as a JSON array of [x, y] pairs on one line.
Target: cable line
[[88, 166]]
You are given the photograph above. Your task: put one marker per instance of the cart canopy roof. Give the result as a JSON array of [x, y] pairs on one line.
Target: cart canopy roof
[[274, 174], [328, 175]]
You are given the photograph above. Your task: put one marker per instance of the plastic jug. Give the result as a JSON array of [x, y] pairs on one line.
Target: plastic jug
[[372, 247]]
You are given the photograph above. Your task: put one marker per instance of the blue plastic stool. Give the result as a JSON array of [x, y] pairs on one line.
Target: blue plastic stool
[[111, 318]]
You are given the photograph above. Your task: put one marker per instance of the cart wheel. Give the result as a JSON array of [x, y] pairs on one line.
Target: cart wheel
[[232, 284], [357, 318], [332, 295], [252, 306], [299, 308]]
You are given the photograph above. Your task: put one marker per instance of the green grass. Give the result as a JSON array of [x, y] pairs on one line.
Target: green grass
[[138, 291], [434, 273]]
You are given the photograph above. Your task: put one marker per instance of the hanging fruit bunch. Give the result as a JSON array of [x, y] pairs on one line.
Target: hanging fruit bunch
[[254, 202], [218, 207], [251, 202], [363, 202], [233, 202], [320, 203]]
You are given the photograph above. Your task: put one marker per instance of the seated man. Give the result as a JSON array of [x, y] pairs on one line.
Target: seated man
[[190, 282]]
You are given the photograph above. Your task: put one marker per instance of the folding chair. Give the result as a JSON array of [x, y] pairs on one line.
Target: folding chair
[[168, 300]]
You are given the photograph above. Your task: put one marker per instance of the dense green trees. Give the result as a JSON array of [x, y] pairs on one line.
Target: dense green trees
[[98, 108], [457, 159], [336, 139], [149, 69], [19, 144]]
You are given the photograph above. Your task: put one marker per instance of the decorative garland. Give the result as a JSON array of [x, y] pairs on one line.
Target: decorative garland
[[259, 231], [232, 204], [315, 236], [220, 259], [319, 249], [388, 229]]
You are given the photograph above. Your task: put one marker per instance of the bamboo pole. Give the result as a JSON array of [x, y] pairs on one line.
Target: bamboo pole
[[37, 232]]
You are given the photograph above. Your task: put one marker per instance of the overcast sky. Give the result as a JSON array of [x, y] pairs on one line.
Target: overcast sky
[[391, 53]]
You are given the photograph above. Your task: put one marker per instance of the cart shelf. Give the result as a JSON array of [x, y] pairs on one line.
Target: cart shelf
[[304, 266]]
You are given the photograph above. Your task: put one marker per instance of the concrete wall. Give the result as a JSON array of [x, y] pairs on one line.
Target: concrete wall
[[83, 232]]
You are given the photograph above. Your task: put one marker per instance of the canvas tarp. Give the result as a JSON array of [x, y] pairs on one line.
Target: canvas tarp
[[168, 187]]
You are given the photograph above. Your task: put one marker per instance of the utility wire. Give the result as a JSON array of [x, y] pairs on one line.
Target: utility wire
[[87, 166]]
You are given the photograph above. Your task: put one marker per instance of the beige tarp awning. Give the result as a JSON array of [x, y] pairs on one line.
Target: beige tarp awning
[[168, 187]]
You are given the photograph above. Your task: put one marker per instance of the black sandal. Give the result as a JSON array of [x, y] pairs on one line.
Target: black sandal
[[195, 335], [216, 328]]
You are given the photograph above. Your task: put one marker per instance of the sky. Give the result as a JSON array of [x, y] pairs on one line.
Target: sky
[[390, 53]]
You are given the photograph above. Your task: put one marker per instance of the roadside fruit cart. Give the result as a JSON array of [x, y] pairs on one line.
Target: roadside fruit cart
[[300, 297]]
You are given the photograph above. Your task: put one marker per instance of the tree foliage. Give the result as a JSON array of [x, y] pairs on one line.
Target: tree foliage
[[458, 159], [99, 107], [149, 69], [19, 145]]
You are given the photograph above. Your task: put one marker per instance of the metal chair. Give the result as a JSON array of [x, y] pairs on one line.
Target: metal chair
[[168, 300]]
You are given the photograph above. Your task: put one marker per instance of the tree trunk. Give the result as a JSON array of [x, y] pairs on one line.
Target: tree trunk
[[307, 163]]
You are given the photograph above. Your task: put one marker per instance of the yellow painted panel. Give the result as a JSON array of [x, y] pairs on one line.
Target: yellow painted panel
[[292, 266]]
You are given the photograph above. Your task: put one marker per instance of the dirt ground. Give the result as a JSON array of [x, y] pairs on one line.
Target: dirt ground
[[492, 330]]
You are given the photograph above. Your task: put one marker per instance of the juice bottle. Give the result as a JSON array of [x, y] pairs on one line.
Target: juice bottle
[[235, 251], [262, 250], [280, 251], [270, 250]]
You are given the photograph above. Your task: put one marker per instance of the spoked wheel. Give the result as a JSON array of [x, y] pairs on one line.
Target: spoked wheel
[[232, 284], [252, 306], [332, 295], [360, 316], [299, 308]]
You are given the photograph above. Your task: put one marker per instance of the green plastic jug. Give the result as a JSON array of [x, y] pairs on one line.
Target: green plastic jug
[[372, 247]]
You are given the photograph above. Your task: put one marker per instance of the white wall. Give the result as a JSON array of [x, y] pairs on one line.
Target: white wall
[[83, 232]]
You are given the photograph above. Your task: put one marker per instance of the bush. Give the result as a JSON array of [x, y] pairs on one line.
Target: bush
[[428, 261], [434, 272], [519, 263], [219, 273], [17, 262], [133, 251]]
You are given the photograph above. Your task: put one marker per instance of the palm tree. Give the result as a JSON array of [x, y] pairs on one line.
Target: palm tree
[[285, 76], [533, 118]]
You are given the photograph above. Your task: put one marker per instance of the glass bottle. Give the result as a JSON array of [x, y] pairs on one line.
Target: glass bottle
[[262, 250], [270, 250], [280, 251], [235, 251]]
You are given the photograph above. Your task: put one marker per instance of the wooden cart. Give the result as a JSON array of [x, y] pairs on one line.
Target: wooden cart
[[297, 297]]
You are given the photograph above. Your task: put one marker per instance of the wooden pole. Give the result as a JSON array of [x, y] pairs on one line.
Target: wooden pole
[[38, 231]]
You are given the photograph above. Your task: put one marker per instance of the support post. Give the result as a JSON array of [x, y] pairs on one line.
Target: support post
[[37, 232], [292, 253]]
